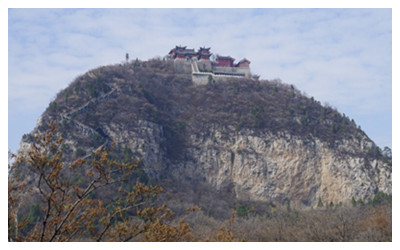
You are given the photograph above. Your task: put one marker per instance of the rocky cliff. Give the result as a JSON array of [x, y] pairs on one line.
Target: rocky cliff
[[244, 138]]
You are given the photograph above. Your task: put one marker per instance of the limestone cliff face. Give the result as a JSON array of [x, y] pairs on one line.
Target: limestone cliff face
[[262, 166]]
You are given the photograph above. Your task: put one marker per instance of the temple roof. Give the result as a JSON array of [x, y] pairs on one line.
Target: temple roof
[[177, 48], [204, 53], [244, 60], [204, 48], [187, 51], [225, 58]]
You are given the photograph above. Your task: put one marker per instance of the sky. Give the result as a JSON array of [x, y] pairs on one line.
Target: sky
[[341, 57]]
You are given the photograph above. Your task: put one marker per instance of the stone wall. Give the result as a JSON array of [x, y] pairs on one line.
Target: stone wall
[[182, 66], [202, 78], [245, 71], [202, 70], [204, 66]]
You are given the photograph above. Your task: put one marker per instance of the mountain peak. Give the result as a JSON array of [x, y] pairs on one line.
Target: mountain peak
[[245, 138]]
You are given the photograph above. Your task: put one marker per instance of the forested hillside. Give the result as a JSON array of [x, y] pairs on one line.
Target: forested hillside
[[122, 140]]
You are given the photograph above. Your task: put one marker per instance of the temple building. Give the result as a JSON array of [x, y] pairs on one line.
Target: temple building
[[204, 54], [224, 61], [225, 65], [181, 52], [244, 63], [201, 66]]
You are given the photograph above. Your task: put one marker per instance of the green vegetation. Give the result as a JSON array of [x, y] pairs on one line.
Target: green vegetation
[[320, 204], [379, 198], [243, 211], [353, 201]]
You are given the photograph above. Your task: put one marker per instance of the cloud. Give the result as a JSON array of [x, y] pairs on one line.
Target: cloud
[[341, 56]]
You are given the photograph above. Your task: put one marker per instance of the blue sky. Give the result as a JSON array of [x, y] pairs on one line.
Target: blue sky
[[339, 56]]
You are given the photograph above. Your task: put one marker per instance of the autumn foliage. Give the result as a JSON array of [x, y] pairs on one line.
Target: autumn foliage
[[70, 209]]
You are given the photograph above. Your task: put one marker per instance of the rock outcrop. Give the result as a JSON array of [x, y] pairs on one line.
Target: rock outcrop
[[249, 157], [262, 166]]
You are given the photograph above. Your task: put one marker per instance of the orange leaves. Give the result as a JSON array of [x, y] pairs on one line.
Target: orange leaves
[[161, 232], [104, 156], [156, 225], [77, 163], [90, 173], [225, 234], [377, 226], [192, 209], [96, 200], [154, 213], [381, 222]]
